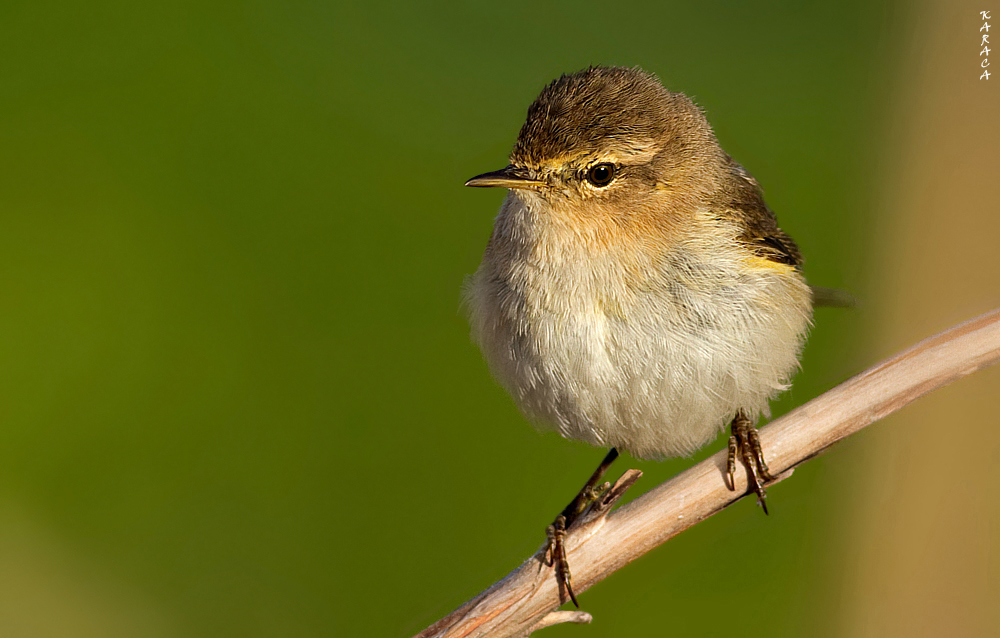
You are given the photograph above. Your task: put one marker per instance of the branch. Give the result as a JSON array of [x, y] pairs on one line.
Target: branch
[[604, 541]]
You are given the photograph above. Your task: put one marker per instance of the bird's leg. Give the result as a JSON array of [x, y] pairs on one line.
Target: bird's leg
[[556, 532], [746, 442]]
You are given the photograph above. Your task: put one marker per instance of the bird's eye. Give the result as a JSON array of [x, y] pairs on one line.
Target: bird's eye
[[601, 174]]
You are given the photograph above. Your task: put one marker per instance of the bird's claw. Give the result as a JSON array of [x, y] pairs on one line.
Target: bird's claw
[[556, 533], [745, 442]]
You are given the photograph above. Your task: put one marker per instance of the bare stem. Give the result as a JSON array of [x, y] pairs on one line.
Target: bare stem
[[527, 598]]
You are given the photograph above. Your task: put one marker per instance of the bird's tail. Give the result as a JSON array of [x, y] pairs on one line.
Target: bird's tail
[[832, 298]]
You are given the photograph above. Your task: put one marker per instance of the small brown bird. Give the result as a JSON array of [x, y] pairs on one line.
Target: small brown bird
[[636, 292]]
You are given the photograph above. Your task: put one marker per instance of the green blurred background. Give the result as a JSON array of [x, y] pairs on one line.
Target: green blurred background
[[237, 393]]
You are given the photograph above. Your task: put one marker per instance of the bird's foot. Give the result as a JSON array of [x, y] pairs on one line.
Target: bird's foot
[[556, 532], [745, 442]]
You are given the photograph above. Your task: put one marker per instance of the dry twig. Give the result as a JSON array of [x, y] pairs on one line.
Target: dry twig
[[604, 541]]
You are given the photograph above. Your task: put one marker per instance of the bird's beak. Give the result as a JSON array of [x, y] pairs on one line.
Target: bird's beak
[[510, 177]]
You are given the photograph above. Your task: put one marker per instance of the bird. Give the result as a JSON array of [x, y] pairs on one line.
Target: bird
[[636, 292]]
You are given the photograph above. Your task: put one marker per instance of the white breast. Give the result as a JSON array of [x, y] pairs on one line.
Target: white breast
[[651, 353]]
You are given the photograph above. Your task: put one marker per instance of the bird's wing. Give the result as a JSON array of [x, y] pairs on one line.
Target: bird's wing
[[742, 201], [778, 247]]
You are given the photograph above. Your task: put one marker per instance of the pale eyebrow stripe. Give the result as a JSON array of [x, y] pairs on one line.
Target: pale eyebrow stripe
[[615, 156]]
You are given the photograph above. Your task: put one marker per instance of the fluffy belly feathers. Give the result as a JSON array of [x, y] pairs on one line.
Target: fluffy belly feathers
[[655, 368]]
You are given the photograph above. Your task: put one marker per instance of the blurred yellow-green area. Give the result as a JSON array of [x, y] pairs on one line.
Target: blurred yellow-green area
[[237, 393]]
